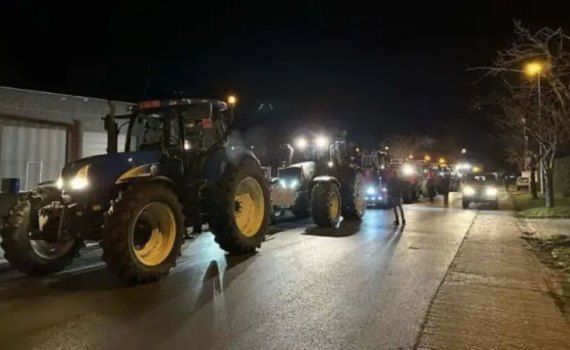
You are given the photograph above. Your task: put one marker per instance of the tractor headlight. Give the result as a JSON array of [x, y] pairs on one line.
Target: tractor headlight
[[371, 190], [408, 170], [283, 183], [468, 191], [491, 191], [294, 184], [59, 183], [80, 181], [301, 143], [322, 142]]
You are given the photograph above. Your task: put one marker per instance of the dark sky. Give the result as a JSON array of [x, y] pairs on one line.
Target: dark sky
[[395, 67]]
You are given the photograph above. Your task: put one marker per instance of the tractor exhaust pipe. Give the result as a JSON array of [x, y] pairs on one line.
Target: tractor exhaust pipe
[[112, 129]]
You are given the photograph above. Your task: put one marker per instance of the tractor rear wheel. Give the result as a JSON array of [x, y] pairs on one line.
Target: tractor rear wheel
[[239, 207], [35, 257], [326, 204], [143, 233], [353, 197]]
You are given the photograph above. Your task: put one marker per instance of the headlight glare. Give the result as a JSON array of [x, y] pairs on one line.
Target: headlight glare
[[59, 183], [491, 191], [468, 191], [370, 190], [80, 181]]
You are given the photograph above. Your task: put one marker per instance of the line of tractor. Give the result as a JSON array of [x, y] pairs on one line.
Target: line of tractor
[[177, 172]]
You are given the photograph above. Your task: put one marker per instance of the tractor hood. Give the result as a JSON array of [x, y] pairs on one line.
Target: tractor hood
[[102, 171]]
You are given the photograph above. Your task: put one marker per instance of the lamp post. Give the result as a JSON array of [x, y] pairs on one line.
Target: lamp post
[[535, 69], [232, 101]]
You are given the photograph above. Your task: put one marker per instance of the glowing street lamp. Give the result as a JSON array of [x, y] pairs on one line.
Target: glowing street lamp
[[232, 101], [441, 160], [427, 158], [463, 150], [533, 69]]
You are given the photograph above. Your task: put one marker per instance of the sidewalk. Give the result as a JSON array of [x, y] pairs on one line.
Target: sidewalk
[[495, 295], [545, 228]]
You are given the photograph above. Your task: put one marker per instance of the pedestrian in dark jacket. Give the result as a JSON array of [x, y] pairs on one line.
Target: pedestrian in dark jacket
[[395, 189]]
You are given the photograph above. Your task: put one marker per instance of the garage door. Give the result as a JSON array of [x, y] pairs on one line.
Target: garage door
[[95, 143], [32, 154]]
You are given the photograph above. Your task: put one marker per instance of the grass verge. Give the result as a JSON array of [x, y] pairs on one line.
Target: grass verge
[[534, 208]]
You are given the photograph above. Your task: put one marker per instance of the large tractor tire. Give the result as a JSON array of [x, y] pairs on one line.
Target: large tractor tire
[[239, 207], [302, 207], [35, 257], [326, 204], [143, 233], [353, 196]]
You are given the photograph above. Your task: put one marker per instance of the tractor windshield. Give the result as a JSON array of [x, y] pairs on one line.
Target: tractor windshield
[[153, 130]]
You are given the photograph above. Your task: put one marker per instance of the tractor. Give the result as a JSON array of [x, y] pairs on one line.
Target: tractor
[[374, 166], [328, 184], [177, 171]]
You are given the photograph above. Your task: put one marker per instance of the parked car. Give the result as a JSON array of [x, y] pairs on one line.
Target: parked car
[[523, 183]]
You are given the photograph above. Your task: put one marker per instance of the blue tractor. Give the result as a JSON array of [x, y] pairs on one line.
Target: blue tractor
[[177, 171]]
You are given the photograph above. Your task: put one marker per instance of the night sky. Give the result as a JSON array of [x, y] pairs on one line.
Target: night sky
[[396, 67]]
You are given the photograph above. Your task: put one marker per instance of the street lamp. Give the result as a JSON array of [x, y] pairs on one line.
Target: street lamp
[[535, 69], [232, 101], [441, 160], [463, 150], [427, 158]]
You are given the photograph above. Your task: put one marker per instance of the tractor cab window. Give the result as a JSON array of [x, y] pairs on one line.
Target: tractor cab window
[[152, 131], [200, 126]]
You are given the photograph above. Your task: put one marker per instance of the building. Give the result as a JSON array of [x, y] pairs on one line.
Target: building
[[41, 131]]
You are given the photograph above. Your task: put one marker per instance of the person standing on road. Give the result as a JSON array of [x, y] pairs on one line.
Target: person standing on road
[[445, 184], [395, 194]]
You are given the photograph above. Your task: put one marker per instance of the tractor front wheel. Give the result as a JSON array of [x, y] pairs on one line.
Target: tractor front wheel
[[143, 233], [30, 256], [239, 207], [353, 197], [326, 204]]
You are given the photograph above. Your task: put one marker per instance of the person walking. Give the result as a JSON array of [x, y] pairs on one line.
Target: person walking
[[395, 193]]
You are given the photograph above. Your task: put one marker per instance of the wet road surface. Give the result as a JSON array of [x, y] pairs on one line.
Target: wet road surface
[[366, 285]]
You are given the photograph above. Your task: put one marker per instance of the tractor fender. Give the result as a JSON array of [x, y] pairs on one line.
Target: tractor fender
[[326, 178], [219, 159], [143, 173]]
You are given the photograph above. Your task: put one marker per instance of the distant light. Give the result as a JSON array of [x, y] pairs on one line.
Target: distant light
[[386, 148], [187, 145], [357, 149], [330, 164], [232, 100], [301, 143], [322, 141], [441, 160], [408, 169], [427, 158], [463, 151], [411, 156], [476, 169]]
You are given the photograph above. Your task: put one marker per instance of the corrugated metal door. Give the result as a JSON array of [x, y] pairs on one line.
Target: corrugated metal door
[[95, 143], [32, 154]]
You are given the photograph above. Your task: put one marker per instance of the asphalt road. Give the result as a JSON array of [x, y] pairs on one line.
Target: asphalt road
[[365, 285]]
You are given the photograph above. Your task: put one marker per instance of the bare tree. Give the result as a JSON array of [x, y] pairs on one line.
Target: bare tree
[[538, 102], [402, 146]]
